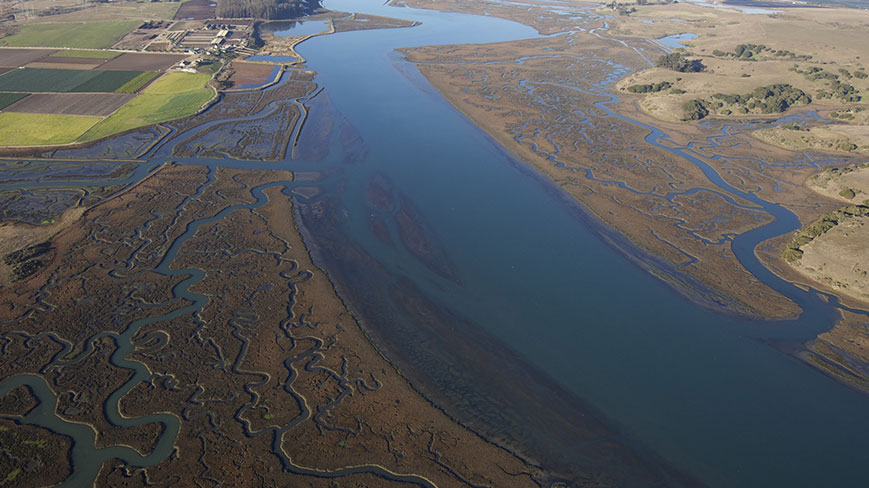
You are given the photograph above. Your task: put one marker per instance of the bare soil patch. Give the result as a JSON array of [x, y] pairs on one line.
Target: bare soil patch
[[143, 37], [250, 73], [100, 104], [158, 46], [13, 58], [61, 65], [197, 10], [142, 61], [54, 61]]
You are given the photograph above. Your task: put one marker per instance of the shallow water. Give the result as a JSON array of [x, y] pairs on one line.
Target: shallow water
[[287, 29], [742, 8], [676, 41]]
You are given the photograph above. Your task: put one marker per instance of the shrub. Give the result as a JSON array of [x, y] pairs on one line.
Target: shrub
[[845, 92], [791, 255], [695, 110], [650, 88], [847, 193]]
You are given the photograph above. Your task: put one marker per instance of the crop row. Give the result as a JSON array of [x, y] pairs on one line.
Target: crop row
[[67, 80]]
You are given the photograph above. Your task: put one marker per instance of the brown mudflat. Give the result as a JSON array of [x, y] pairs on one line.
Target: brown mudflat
[[272, 376], [250, 73]]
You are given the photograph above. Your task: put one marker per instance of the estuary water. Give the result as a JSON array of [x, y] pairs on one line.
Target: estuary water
[[699, 388], [306, 28]]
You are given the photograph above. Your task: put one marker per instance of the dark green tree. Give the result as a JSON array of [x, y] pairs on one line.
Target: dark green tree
[[678, 62]]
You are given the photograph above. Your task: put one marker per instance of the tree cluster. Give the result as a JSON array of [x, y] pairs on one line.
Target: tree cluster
[[842, 91], [650, 87], [814, 73], [695, 109], [770, 99], [838, 89], [751, 52], [678, 62], [265, 9]]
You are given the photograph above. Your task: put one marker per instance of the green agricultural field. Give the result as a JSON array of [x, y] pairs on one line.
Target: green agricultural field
[[44, 80], [7, 99], [174, 83], [80, 53], [173, 96], [140, 10], [93, 35], [138, 82], [65, 80], [42, 129], [107, 81]]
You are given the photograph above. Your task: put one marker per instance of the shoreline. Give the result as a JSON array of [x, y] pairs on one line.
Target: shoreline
[[426, 62], [315, 255], [804, 351], [681, 282], [545, 390]]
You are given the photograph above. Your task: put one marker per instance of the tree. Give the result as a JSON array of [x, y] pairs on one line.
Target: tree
[[678, 62], [265, 9], [695, 110]]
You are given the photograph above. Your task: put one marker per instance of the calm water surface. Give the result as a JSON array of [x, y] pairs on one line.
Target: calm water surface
[[676, 41], [287, 29]]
